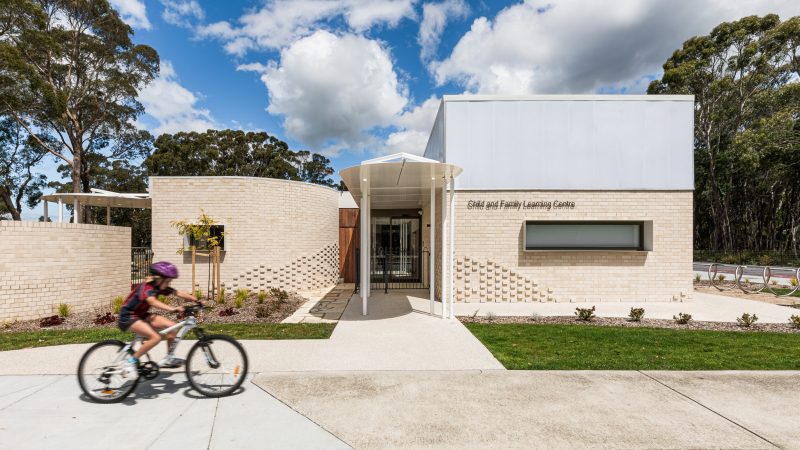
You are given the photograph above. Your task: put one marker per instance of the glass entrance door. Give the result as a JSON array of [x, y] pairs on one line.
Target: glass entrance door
[[395, 252]]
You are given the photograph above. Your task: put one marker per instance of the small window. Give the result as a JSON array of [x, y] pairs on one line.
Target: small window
[[586, 235], [217, 231]]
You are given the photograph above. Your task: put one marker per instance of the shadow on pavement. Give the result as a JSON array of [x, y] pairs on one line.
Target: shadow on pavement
[[166, 383]]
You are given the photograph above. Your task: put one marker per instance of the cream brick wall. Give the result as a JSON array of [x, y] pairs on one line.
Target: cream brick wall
[[490, 243], [275, 230], [44, 264]]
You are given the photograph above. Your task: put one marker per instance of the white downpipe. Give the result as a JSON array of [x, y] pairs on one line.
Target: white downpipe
[[76, 215], [445, 284], [364, 250], [46, 212], [452, 246], [432, 244], [60, 210]]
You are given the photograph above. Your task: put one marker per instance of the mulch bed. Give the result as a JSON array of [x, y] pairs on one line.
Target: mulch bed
[[645, 323], [278, 310]]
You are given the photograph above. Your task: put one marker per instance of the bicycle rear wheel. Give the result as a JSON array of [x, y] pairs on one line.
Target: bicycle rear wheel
[[216, 366], [100, 373]]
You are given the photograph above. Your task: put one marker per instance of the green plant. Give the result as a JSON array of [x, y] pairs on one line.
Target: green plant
[[535, 317], [64, 310], [721, 277], [793, 281], [263, 311], [279, 294], [238, 302], [221, 295], [682, 318], [198, 293], [116, 304], [697, 278], [636, 314], [585, 314], [794, 321], [198, 231], [490, 316], [240, 295], [262, 296], [747, 320], [164, 299]]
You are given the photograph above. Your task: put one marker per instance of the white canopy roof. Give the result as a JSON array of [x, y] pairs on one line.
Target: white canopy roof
[[100, 197], [397, 181]]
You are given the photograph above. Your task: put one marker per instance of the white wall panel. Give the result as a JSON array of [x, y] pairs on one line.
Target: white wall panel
[[435, 147], [570, 143]]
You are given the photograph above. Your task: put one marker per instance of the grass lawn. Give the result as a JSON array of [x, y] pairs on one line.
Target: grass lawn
[[575, 347], [243, 331]]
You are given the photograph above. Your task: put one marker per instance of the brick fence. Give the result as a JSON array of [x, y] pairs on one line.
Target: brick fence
[[45, 264]]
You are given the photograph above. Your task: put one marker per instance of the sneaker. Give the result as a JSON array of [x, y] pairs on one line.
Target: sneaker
[[130, 368], [170, 362]]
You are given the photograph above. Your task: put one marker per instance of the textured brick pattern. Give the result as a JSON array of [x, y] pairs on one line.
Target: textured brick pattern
[[315, 272], [268, 222], [44, 264], [494, 266]]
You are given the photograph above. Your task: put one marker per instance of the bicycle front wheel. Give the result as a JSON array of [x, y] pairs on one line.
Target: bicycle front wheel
[[216, 366], [100, 373]]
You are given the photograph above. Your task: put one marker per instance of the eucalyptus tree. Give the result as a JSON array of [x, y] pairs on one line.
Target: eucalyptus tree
[[69, 69], [744, 76], [20, 183]]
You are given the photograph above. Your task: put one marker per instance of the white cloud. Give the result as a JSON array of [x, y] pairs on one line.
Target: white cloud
[[331, 90], [182, 12], [581, 46], [413, 128], [133, 12], [434, 19], [173, 106], [279, 23]]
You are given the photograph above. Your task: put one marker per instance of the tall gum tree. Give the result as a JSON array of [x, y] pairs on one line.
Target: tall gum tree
[[70, 69]]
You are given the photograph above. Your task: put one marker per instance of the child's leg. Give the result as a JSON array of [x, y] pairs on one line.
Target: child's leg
[[143, 328], [161, 323]]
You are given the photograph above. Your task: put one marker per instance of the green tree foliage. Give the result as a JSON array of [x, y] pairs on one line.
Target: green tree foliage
[[19, 182], [744, 76], [235, 153], [70, 69]]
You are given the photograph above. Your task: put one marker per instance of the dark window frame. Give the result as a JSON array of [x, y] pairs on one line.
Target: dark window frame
[[640, 248]]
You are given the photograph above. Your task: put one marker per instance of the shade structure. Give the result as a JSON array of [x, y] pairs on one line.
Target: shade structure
[[100, 197], [398, 181]]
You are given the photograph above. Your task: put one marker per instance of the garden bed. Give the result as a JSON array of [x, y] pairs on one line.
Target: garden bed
[[626, 323], [273, 307]]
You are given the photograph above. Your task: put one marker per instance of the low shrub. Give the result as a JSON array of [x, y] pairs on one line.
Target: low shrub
[[794, 321], [279, 294], [262, 296], [697, 277], [636, 314], [490, 316], [198, 294], [221, 295], [64, 310], [263, 311], [793, 281], [747, 320], [104, 319], [682, 318], [238, 302], [51, 321], [240, 295], [116, 304], [228, 312], [164, 299], [721, 277], [535, 317], [585, 314]]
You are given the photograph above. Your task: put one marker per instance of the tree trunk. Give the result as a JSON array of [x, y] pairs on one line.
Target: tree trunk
[[5, 196]]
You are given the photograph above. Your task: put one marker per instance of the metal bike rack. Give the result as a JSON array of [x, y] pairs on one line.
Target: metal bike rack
[[738, 273]]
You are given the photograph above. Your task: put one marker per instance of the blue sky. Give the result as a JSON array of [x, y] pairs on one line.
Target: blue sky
[[354, 79]]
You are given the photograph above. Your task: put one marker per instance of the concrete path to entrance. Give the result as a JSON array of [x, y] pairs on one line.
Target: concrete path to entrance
[[393, 337], [520, 409], [45, 412]]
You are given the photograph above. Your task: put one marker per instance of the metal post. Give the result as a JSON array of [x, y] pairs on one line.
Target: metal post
[[432, 244], [445, 284], [76, 215], [46, 214], [60, 210], [364, 249], [452, 246], [108, 215]]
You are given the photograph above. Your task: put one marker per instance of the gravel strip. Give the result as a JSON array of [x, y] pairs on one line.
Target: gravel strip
[[645, 323]]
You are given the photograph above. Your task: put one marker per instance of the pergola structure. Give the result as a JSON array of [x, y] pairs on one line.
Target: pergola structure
[[97, 197], [401, 181]]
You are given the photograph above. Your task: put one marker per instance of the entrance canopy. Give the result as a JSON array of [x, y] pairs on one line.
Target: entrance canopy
[[398, 181], [99, 197]]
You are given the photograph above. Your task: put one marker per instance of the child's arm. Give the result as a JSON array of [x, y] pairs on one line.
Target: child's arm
[[186, 296], [156, 303]]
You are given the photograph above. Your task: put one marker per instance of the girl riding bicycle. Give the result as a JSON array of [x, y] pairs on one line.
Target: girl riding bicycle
[[134, 315]]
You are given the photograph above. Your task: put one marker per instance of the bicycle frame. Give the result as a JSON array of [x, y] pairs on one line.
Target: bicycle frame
[[183, 327]]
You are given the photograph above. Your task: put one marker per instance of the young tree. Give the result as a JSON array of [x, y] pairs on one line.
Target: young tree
[[19, 182], [71, 70]]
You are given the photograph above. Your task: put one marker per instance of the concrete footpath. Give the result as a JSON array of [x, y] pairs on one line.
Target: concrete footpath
[[548, 409], [45, 412]]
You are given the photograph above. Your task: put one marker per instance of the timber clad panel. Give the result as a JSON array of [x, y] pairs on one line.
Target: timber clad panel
[[348, 243]]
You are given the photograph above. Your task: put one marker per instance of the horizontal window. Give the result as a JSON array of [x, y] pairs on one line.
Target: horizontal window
[[586, 235]]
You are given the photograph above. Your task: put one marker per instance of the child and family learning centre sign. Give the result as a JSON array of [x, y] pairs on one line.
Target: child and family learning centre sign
[[518, 205]]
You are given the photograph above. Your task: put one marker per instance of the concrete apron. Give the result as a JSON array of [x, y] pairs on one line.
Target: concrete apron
[[547, 409], [394, 336]]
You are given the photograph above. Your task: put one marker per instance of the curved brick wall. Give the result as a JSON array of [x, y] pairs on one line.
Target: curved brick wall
[[44, 264], [276, 227]]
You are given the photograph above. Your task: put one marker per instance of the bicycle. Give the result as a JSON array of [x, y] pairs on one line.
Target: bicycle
[[215, 366]]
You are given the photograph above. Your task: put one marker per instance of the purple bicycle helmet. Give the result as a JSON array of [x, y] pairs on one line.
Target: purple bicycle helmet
[[164, 269]]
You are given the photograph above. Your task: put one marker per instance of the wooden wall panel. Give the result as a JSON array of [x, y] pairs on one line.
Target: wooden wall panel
[[348, 243]]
